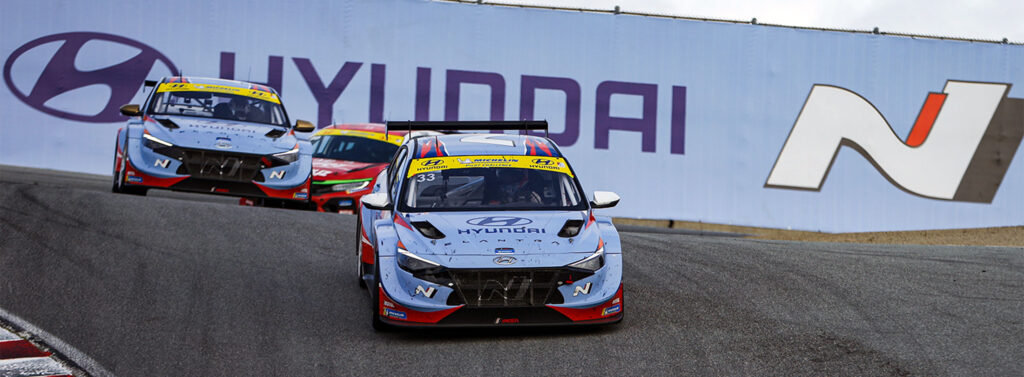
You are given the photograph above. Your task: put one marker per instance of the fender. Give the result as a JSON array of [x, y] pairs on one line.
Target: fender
[[387, 238], [609, 235]]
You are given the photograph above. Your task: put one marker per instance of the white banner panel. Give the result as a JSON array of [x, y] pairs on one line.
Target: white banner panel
[[716, 122]]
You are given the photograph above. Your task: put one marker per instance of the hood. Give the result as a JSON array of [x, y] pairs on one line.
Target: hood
[[326, 169], [222, 135], [516, 233]]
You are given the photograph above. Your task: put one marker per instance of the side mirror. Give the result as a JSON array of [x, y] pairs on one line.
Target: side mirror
[[604, 199], [304, 126], [376, 201], [130, 110]]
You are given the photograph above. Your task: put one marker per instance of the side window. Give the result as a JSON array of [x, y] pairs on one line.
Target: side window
[[394, 167]]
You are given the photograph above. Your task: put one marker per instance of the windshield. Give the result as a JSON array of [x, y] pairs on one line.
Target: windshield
[[217, 105], [352, 148], [492, 188]]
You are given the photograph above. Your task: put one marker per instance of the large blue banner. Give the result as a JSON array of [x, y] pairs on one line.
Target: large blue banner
[[690, 120]]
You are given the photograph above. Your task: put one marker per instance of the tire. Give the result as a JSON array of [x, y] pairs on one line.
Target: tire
[[375, 321], [359, 247], [118, 185]]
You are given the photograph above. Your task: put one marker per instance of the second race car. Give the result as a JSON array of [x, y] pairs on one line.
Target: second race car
[[214, 136]]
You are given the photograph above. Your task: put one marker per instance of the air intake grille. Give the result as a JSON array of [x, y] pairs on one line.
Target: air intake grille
[[221, 166], [490, 288]]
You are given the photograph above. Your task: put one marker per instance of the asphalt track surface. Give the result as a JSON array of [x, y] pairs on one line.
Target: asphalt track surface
[[189, 285]]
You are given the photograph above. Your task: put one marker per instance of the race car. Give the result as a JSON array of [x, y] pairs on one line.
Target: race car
[[472, 229], [346, 160], [213, 136]]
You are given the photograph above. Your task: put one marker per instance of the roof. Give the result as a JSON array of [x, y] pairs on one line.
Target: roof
[[484, 145]]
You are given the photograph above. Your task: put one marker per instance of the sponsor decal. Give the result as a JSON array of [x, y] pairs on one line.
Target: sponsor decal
[[394, 313], [611, 310], [60, 76], [959, 148], [162, 163], [277, 174], [504, 250], [223, 143], [423, 165], [135, 179], [500, 224], [501, 230], [506, 320], [505, 260], [428, 293], [189, 87], [321, 173], [584, 290], [300, 195]]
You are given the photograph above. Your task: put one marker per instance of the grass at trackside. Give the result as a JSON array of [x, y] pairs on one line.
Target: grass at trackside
[[1002, 236]]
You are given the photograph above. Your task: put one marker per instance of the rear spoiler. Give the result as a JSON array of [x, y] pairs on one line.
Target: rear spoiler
[[452, 127]]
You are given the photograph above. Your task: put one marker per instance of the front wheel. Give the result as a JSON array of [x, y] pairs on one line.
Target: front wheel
[[359, 253], [118, 185], [378, 325]]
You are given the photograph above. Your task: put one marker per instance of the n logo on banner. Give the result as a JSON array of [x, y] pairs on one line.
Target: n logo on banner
[[959, 148]]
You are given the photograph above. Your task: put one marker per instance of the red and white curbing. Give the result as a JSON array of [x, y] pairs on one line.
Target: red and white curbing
[[21, 358]]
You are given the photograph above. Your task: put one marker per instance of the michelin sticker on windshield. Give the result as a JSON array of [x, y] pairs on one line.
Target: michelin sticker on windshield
[[187, 87], [423, 165]]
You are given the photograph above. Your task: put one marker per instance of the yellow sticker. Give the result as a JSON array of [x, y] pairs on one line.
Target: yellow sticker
[[396, 140], [555, 164], [189, 87]]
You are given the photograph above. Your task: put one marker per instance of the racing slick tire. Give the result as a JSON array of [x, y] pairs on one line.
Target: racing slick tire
[[119, 187], [378, 325], [359, 246]]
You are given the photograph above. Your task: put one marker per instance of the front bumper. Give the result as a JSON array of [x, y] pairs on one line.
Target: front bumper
[[501, 296], [392, 313], [146, 168], [338, 201]]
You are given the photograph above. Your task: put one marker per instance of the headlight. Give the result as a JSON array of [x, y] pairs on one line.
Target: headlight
[[350, 186], [593, 262], [289, 156], [414, 263], [152, 142]]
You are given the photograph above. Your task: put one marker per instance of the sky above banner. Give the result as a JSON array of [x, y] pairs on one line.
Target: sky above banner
[[993, 20]]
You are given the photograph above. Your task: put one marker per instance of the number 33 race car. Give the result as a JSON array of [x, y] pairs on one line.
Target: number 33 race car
[[215, 136], [486, 230]]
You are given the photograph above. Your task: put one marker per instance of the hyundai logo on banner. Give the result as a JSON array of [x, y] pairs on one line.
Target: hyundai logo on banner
[[60, 75]]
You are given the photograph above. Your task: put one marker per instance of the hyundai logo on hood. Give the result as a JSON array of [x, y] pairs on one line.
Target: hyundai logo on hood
[[60, 75], [504, 260], [499, 221]]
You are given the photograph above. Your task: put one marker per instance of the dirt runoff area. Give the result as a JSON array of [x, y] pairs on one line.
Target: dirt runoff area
[[1002, 236]]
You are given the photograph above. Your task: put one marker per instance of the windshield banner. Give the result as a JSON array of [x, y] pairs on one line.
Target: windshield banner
[[555, 164], [396, 140], [187, 87]]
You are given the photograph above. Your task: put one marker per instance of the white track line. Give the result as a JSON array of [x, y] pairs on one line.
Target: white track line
[[78, 357]]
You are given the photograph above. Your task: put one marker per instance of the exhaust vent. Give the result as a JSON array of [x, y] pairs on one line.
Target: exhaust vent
[[428, 230], [167, 123], [571, 228]]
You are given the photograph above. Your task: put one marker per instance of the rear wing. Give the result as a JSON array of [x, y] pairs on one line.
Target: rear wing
[[457, 126]]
